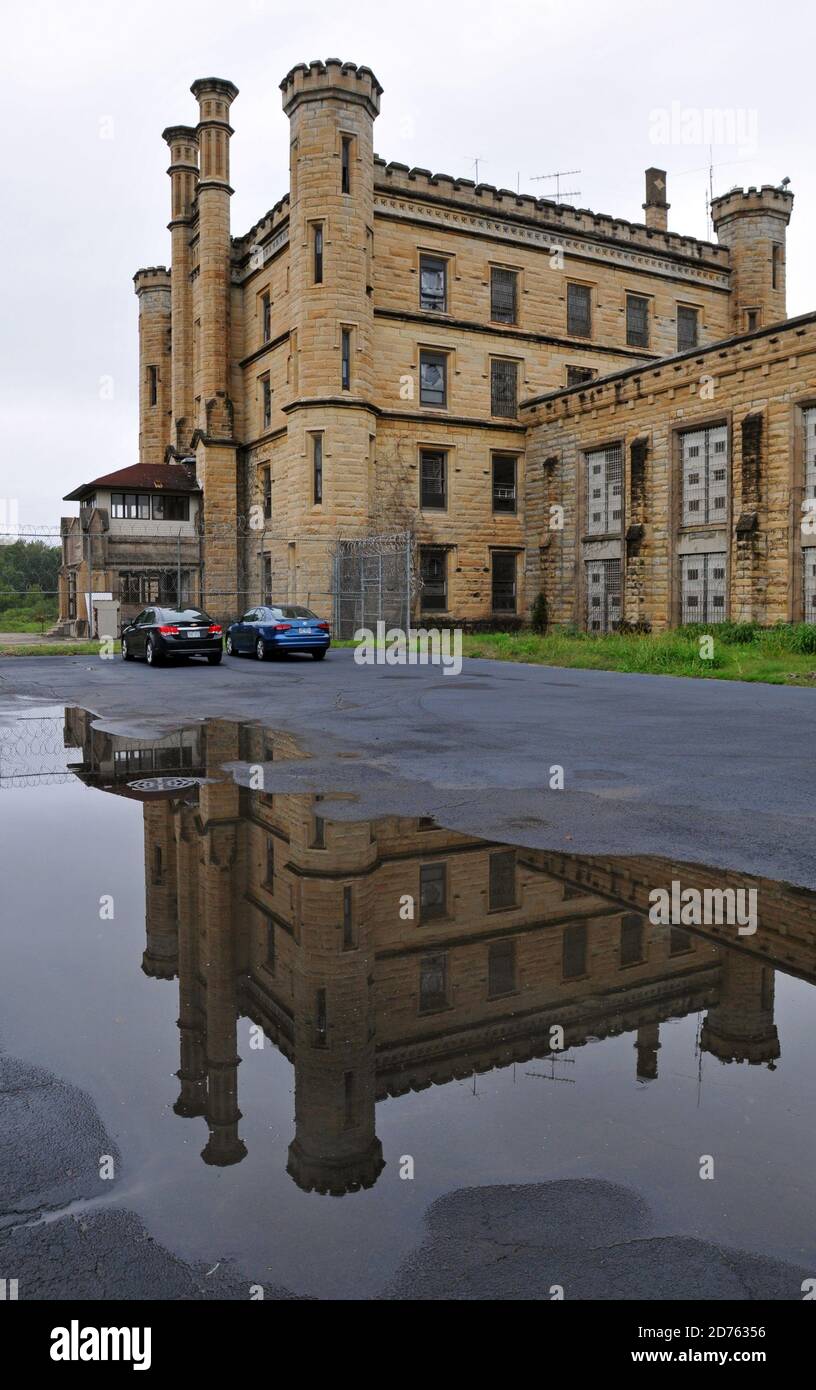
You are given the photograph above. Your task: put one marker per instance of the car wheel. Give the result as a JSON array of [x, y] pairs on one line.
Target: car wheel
[[318, 656], [152, 656], [127, 654], [214, 659], [231, 651], [260, 649]]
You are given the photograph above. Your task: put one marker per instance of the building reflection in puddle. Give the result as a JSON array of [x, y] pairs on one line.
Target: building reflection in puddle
[[387, 956]]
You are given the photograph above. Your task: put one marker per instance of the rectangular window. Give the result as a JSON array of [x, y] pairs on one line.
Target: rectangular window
[[503, 295], [503, 581], [270, 861], [579, 311], [433, 570], [776, 266], [130, 506], [318, 840], [809, 584], [688, 327], [317, 253], [604, 491], [637, 320], [266, 316], [266, 491], [576, 376], [702, 588], [433, 386], [575, 951], [705, 475], [266, 402], [321, 1018], [433, 982], [433, 479], [680, 941], [345, 359], [317, 469], [270, 946], [267, 581], [631, 939], [502, 890], [503, 387], [809, 432], [348, 1099], [603, 592], [433, 287], [504, 483], [348, 919], [153, 385], [169, 508], [751, 320], [345, 164], [501, 968], [433, 880]]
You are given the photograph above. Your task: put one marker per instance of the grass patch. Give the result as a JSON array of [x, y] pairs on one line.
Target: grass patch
[[55, 649]]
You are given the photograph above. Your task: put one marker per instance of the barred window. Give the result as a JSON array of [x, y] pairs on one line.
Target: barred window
[[705, 475], [349, 940], [504, 483], [153, 385], [503, 388], [575, 951], [579, 310], [317, 253], [809, 430], [433, 982], [345, 164], [503, 581], [502, 891], [266, 402], [702, 588], [345, 359], [433, 369], [432, 891], [270, 946], [501, 968], [266, 489], [433, 283], [433, 569], [317, 468], [631, 939], [130, 506], [603, 589], [266, 316], [637, 320], [576, 376], [432, 479], [604, 490], [688, 323], [169, 508], [503, 295]]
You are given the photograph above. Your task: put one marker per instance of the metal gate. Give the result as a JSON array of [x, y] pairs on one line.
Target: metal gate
[[374, 581]]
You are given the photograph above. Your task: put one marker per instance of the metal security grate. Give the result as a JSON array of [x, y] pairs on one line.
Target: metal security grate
[[809, 420], [809, 578], [687, 327], [605, 490], [579, 311], [432, 287], [603, 586], [637, 321], [503, 390], [502, 295], [705, 475], [702, 588]]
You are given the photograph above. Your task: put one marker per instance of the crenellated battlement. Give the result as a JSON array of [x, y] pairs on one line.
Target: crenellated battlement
[[746, 202], [152, 277], [317, 80]]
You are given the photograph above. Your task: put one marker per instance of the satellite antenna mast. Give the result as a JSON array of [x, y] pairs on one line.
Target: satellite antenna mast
[[558, 176], [476, 160]]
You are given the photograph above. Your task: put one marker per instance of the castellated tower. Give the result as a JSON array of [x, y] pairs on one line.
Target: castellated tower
[[214, 436], [153, 291], [183, 143], [753, 225], [331, 107], [741, 1027]]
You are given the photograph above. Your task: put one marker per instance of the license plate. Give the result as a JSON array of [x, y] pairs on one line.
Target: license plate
[[194, 632]]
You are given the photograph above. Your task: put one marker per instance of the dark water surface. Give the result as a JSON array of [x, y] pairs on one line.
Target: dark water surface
[[249, 925]]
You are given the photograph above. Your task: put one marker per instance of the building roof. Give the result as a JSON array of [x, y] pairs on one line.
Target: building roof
[[144, 477]]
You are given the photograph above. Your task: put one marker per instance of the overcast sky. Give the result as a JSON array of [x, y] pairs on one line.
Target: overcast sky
[[529, 86]]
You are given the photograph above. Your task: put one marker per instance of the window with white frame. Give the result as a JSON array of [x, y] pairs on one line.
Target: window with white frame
[[705, 475], [604, 473]]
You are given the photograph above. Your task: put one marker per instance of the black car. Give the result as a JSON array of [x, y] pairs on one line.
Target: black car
[[158, 633]]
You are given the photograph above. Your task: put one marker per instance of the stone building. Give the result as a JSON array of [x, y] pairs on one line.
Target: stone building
[[259, 906], [390, 353]]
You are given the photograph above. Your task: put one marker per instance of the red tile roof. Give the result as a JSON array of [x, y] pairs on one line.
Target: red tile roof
[[144, 477]]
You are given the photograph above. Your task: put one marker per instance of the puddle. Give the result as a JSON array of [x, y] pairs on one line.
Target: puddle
[[300, 1033]]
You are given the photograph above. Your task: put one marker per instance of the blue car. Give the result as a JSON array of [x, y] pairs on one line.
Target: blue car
[[274, 630]]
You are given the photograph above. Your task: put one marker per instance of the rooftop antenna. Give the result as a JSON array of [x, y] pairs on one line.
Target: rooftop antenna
[[558, 176], [710, 194], [476, 160]]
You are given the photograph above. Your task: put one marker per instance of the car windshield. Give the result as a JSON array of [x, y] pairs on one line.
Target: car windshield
[[184, 615], [291, 610]]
